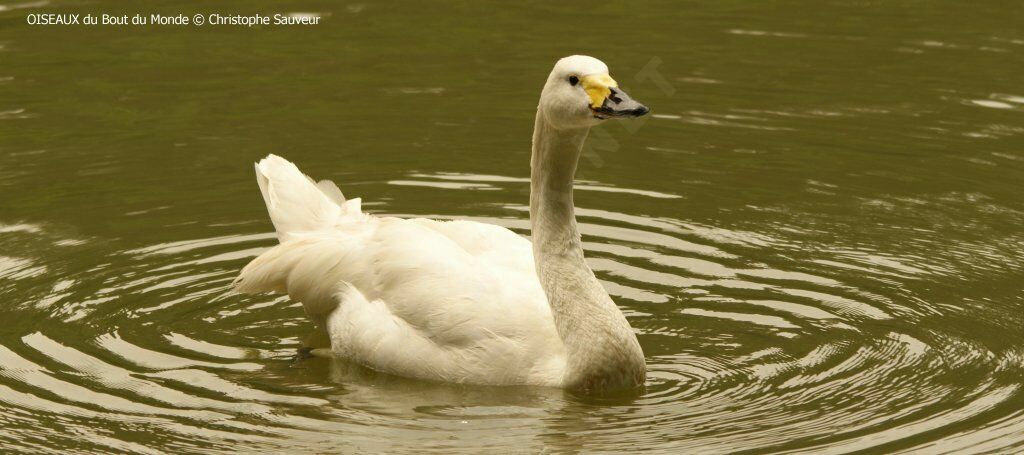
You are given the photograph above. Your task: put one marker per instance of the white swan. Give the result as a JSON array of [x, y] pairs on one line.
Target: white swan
[[459, 301]]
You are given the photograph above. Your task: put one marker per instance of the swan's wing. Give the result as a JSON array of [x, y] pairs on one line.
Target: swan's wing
[[433, 281], [494, 244], [368, 333]]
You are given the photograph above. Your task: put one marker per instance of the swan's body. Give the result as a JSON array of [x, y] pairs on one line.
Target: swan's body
[[459, 301]]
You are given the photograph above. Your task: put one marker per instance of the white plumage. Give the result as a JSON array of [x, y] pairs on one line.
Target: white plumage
[[454, 301]]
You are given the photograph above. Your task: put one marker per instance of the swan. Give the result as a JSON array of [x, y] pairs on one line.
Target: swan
[[459, 301]]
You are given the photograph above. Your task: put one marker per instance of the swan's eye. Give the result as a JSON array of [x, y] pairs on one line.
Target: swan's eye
[[573, 80]]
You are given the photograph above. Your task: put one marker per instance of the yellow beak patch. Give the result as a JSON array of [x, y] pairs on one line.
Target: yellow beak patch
[[598, 87]]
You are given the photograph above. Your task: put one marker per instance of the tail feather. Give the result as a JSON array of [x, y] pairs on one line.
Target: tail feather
[[267, 273], [297, 203], [331, 191]]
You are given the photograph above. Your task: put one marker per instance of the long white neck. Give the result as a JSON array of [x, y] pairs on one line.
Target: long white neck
[[601, 349]]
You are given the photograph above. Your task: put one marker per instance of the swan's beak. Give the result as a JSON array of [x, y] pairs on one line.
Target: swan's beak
[[608, 100]]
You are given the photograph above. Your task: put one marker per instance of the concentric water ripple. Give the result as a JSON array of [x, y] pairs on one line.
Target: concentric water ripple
[[743, 355]]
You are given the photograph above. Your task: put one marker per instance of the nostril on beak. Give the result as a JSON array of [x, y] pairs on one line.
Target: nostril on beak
[[641, 110], [614, 96]]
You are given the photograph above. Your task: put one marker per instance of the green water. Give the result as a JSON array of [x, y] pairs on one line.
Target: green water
[[817, 234]]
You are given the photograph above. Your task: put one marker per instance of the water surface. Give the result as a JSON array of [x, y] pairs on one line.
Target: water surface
[[817, 234]]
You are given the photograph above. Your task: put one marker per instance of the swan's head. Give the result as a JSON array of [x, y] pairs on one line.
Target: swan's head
[[580, 93]]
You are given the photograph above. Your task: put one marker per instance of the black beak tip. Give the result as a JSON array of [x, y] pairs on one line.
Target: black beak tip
[[641, 110]]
